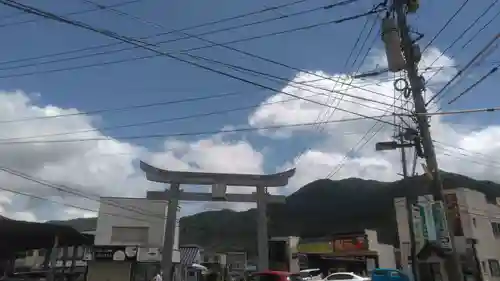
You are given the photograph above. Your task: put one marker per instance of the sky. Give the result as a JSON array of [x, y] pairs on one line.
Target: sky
[[78, 109]]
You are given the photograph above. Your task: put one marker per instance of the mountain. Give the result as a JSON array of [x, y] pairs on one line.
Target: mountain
[[319, 208]]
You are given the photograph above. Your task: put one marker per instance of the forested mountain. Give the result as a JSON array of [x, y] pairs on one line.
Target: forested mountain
[[317, 209]]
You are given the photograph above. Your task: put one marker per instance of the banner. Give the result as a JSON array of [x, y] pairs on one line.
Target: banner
[[441, 225], [429, 228], [418, 227]]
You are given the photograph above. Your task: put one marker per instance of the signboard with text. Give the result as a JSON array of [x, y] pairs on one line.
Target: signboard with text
[[441, 224], [114, 253], [418, 226], [350, 244], [315, 248]]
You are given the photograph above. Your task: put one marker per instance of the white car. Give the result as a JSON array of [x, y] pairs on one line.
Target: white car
[[345, 276], [311, 274]]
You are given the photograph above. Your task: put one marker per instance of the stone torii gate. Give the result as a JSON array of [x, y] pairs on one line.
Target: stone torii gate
[[219, 183]]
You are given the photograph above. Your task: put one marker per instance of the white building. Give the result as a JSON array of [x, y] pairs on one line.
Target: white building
[[129, 239], [476, 222]]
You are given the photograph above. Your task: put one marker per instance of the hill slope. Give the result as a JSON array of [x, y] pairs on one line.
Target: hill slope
[[319, 208]]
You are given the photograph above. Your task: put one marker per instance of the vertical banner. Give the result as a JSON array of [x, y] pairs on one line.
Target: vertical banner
[[418, 227], [429, 229], [441, 225]]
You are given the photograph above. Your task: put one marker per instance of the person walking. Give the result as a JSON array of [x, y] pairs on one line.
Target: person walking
[[158, 276]]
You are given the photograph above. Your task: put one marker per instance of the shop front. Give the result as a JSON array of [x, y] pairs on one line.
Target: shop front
[[111, 263], [339, 253]]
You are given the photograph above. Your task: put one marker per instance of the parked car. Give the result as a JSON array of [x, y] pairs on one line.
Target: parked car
[[311, 274], [383, 274], [275, 276], [345, 276]]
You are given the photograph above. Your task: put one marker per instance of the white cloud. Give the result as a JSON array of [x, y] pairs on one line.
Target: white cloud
[[110, 167], [105, 168], [363, 161]]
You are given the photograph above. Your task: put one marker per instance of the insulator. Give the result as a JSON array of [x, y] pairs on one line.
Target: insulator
[[392, 45]]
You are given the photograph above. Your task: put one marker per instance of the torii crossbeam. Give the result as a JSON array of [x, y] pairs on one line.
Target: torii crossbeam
[[219, 183]]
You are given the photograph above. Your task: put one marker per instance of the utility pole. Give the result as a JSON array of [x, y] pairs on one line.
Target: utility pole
[[410, 201], [411, 55]]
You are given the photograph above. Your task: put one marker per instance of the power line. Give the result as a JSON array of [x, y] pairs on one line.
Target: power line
[[290, 83], [81, 12], [342, 3], [492, 71], [72, 205], [244, 52], [201, 133], [75, 192], [233, 27], [481, 30], [446, 25], [463, 70], [147, 46], [157, 121], [460, 36], [125, 108], [182, 51]]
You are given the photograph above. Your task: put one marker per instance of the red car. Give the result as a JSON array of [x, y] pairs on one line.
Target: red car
[[275, 276]]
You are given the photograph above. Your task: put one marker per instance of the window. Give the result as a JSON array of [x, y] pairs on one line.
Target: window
[[339, 276], [129, 235], [496, 228], [79, 252], [69, 252], [494, 268], [29, 253], [42, 252]]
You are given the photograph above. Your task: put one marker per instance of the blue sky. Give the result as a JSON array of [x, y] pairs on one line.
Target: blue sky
[[160, 79]]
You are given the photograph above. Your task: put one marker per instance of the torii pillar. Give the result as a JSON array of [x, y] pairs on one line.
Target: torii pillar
[[219, 183]]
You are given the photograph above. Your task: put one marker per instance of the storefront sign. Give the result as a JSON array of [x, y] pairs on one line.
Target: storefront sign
[[442, 233], [418, 226], [315, 248], [350, 244], [428, 224], [114, 253]]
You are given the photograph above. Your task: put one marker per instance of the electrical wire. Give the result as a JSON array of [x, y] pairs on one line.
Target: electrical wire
[[103, 46], [75, 192], [481, 30], [446, 25], [244, 52], [460, 36], [157, 121], [125, 108], [182, 51], [342, 3], [72, 205], [200, 133], [292, 83], [147, 46], [331, 174], [491, 72], [81, 12], [463, 70]]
